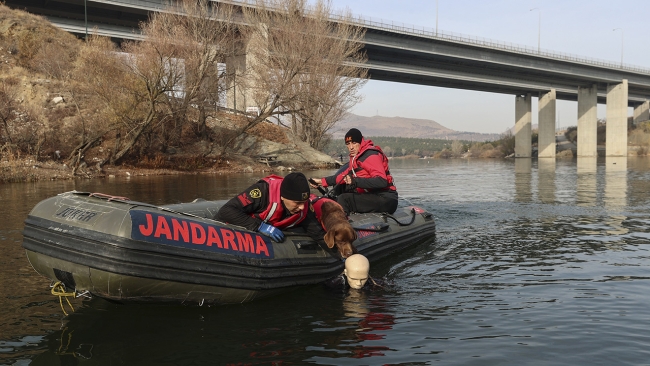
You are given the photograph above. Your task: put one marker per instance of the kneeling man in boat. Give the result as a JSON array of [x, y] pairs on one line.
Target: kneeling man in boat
[[366, 179], [274, 204]]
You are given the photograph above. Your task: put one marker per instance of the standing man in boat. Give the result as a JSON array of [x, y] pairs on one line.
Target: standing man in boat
[[272, 205], [366, 180]]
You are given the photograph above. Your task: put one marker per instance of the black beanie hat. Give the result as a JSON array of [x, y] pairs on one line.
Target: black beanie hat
[[353, 135], [295, 187]]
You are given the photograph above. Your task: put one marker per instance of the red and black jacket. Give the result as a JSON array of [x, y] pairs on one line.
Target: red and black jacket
[[369, 170], [252, 206], [274, 213]]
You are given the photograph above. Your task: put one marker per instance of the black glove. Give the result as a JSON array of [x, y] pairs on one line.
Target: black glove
[[352, 187]]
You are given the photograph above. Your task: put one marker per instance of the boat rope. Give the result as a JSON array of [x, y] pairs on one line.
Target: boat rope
[[373, 228], [64, 350], [108, 197], [375, 282], [400, 223], [126, 200], [58, 289]]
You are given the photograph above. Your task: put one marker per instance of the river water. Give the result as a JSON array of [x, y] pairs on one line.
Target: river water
[[535, 263]]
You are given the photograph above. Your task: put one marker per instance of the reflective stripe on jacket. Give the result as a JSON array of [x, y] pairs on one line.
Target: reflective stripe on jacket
[[274, 212]]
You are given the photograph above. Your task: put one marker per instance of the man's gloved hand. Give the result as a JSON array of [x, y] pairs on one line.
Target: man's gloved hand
[[271, 231], [351, 187], [314, 182]]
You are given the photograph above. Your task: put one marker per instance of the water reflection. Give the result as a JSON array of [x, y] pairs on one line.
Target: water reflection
[[372, 325], [586, 181], [328, 326], [546, 275], [615, 182], [523, 180], [638, 181], [546, 177]]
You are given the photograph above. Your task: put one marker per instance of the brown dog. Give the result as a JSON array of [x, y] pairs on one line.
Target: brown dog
[[339, 231]]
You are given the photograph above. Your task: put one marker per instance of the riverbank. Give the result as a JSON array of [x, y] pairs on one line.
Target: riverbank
[[28, 170], [260, 155]]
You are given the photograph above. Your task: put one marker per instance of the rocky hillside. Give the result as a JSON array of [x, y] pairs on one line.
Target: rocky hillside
[[406, 127], [49, 113]]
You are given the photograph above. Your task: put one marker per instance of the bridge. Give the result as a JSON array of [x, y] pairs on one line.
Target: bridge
[[416, 56]]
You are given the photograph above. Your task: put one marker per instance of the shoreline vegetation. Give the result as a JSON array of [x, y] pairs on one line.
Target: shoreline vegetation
[[203, 92], [71, 108]]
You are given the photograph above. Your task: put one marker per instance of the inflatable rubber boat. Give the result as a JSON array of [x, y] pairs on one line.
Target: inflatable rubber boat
[[129, 251]]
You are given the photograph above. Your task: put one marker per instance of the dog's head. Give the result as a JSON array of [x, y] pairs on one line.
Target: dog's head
[[342, 235]]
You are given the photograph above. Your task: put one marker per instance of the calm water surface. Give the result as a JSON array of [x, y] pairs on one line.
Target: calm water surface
[[534, 263]]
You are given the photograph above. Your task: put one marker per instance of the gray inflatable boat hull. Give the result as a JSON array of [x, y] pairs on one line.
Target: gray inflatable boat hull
[[130, 251]]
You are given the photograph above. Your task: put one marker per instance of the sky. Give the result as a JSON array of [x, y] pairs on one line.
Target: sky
[[578, 27]]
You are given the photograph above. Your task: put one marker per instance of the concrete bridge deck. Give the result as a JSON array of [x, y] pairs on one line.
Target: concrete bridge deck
[[415, 56]]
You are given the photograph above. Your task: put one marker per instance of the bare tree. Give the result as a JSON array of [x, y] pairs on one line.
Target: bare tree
[[299, 63], [21, 131], [202, 34], [456, 147], [131, 86], [332, 88], [104, 93]]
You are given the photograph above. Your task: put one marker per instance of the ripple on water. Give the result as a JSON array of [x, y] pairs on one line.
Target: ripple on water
[[527, 267]]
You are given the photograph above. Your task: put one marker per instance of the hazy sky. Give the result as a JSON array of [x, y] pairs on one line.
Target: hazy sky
[[578, 27]]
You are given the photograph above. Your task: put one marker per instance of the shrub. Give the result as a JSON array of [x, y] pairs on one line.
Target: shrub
[[644, 126], [601, 134], [492, 153], [444, 154], [639, 137], [571, 134], [507, 144]]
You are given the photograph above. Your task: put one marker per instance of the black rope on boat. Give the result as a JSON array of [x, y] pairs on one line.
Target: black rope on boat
[[400, 223], [379, 229]]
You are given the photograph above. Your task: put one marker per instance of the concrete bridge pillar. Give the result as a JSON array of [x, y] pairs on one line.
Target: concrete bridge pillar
[[523, 128], [587, 121], [546, 118], [642, 112], [236, 96], [616, 144], [242, 71]]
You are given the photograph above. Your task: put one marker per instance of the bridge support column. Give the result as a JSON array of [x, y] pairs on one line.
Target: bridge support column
[[642, 112], [523, 128], [587, 121], [236, 97], [616, 144], [546, 118], [241, 72]]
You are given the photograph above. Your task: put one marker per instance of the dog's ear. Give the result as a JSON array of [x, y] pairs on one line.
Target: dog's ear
[[329, 239], [355, 235]]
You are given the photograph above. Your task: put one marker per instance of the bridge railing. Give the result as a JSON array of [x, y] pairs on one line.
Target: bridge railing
[[381, 24], [486, 42], [391, 26]]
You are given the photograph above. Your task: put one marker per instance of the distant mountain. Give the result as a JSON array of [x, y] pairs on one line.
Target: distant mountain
[[405, 127]]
